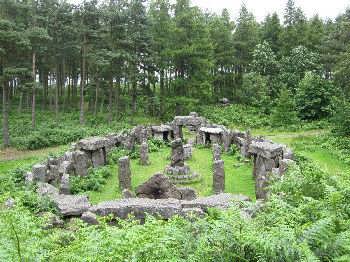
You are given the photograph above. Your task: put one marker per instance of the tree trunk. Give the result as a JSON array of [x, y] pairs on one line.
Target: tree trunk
[[5, 115], [161, 92], [82, 84], [20, 102], [57, 92], [110, 101], [96, 96], [33, 94]]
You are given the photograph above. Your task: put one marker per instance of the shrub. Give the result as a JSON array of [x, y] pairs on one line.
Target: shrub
[[94, 181]]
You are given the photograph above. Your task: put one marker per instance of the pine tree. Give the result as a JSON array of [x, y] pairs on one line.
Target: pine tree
[[284, 113]]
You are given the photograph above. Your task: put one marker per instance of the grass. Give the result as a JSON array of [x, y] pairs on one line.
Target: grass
[[239, 178], [12, 158]]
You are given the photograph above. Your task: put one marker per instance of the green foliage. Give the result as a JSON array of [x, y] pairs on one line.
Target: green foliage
[[341, 117], [314, 96], [94, 181], [236, 116], [284, 113]]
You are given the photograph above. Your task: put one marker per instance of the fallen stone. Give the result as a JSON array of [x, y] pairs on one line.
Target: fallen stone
[[138, 207], [187, 193], [284, 165], [28, 178], [71, 205], [89, 218], [45, 189]]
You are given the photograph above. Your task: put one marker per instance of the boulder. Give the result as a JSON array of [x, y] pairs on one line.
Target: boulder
[[71, 205], [187, 193], [158, 187], [89, 218], [45, 189]]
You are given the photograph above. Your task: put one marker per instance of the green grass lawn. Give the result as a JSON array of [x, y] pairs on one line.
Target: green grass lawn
[[238, 175]]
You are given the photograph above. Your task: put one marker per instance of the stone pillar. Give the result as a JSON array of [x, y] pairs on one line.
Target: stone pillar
[[187, 151], [65, 185], [98, 157], [39, 173], [216, 152], [82, 162], [124, 173], [218, 177], [177, 153], [144, 158]]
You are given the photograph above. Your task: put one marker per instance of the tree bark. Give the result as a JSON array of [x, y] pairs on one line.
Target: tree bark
[[110, 101], [96, 96], [5, 115], [82, 83], [33, 93]]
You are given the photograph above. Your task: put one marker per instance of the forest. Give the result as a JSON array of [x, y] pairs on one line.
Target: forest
[[69, 71]]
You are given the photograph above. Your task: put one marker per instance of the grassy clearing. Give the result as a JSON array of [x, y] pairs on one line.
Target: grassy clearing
[[239, 178]]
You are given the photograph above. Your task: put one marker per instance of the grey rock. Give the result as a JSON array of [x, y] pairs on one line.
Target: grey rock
[[28, 178], [187, 151], [177, 153], [124, 173], [187, 193], [45, 189], [93, 143], [216, 152], [218, 177], [39, 173], [284, 165], [158, 187], [127, 193], [10, 202], [65, 185], [139, 207], [266, 149], [144, 156], [82, 163], [98, 157], [51, 220], [71, 205], [89, 218]]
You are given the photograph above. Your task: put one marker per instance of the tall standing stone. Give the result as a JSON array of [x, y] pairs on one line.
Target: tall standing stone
[[144, 157], [218, 177], [39, 172], [65, 185], [177, 153], [124, 173], [216, 152]]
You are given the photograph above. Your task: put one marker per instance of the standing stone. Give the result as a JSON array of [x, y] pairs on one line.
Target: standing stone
[[127, 193], [144, 158], [98, 157], [124, 173], [81, 163], [65, 185], [187, 151], [177, 153], [39, 173], [216, 152], [218, 177]]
